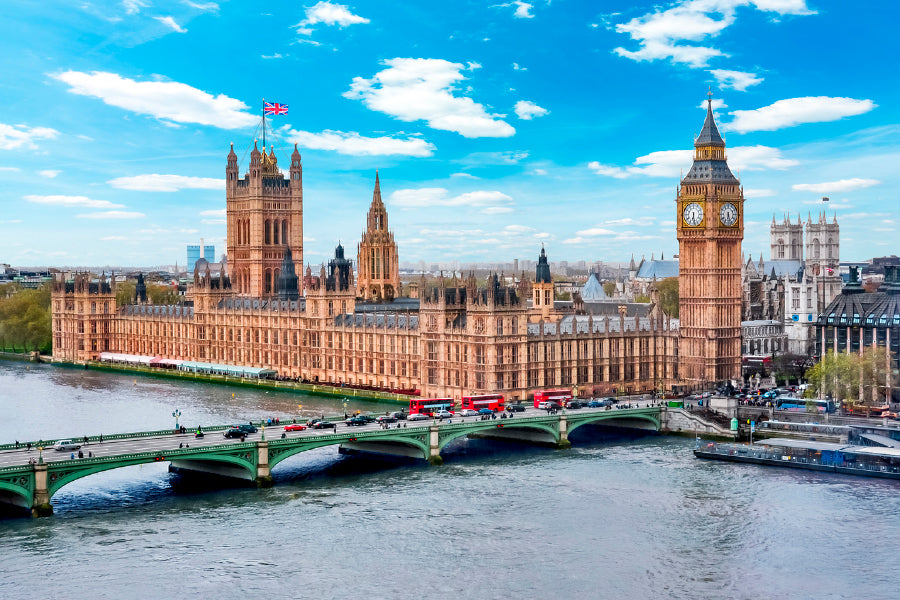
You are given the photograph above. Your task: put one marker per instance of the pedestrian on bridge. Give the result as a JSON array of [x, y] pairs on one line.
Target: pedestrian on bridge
[[17, 444]]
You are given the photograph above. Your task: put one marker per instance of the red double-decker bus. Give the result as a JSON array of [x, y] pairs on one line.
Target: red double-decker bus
[[494, 402], [558, 396], [429, 406]]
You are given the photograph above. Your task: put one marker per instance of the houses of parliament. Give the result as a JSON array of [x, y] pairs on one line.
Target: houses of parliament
[[447, 339]]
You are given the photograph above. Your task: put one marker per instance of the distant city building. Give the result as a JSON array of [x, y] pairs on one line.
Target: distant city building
[[194, 254]]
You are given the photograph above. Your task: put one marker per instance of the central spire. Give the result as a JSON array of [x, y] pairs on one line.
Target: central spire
[[709, 135], [709, 153]]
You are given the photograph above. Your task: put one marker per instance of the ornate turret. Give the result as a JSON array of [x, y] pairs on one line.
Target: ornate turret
[[709, 154], [379, 266], [140, 290], [288, 288]]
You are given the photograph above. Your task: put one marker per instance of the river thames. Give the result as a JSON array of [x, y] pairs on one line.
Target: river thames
[[617, 516]]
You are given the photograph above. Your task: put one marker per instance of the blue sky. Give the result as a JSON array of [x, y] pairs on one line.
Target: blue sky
[[495, 127]]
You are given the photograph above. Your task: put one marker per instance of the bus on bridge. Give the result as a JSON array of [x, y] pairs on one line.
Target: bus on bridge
[[495, 402], [429, 406], [561, 397]]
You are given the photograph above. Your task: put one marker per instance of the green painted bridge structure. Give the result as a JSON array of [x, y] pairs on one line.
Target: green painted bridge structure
[[29, 479]]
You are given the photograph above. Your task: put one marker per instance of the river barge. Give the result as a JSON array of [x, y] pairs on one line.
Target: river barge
[[810, 455]]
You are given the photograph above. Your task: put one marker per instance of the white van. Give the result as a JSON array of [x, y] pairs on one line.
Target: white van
[[66, 445]]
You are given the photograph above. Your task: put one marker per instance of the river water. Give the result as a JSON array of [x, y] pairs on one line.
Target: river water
[[617, 516]]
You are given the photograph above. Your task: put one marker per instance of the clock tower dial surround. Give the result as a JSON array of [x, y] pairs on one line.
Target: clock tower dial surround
[[710, 229]]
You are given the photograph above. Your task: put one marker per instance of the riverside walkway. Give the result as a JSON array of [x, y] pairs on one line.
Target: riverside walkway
[[30, 478]]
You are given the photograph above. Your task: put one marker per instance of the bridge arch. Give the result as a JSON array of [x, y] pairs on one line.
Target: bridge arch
[[489, 426], [17, 489], [279, 452], [65, 472], [594, 418]]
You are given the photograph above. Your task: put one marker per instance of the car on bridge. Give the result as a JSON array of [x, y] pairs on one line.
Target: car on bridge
[[400, 415], [600, 403], [549, 405], [417, 417], [358, 421], [294, 427], [246, 428], [67, 445], [517, 407], [574, 404], [319, 424], [485, 411], [234, 432], [386, 419], [468, 412]]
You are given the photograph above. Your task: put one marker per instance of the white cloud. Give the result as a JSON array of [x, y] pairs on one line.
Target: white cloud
[[132, 7], [171, 24], [466, 175], [161, 99], [539, 171], [796, 111], [528, 110], [111, 238], [272, 56], [71, 201], [671, 163], [356, 145], [413, 89], [21, 136], [737, 80], [154, 182], [49, 173], [516, 67], [113, 214], [523, 9], [10, 169], [213, 221], [327, 13], [831, 187], [595, 231], [758, 158], [664, 34], [204, 6], [761, 193], [640, 221], [220, 212], [507, 157], [490, 202], [717, 104]]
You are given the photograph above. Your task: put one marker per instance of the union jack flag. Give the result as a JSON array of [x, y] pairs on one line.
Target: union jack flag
[[274, 108]]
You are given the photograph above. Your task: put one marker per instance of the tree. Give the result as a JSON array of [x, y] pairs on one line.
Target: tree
[[861, 380], [25, 319], [668, 296], [642, 298], [609, 288]]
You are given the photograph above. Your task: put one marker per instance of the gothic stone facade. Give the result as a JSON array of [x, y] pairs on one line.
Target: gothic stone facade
[[458, 338]]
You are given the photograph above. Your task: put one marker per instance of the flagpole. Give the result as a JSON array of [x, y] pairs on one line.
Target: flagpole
[[264, 123]]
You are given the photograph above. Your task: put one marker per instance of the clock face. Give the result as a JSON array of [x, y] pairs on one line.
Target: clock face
[[728, 214], [693, 214]]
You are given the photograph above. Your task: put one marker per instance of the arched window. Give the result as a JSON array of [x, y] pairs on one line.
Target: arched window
[[276, 230], [284, 232], [268, 233], [829, 248]]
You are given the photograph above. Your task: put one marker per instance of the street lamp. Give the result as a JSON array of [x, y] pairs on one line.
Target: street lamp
[[176, 413]]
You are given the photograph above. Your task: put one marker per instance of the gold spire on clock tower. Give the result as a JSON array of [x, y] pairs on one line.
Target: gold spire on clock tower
[[710, 219]]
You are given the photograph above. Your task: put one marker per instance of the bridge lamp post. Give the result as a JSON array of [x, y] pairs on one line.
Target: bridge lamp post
[[176, 413]]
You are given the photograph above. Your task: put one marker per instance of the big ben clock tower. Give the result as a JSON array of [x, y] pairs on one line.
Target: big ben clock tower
[[710, 221]]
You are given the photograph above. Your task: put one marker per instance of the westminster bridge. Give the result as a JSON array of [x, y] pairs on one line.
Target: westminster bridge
[[29, 476]]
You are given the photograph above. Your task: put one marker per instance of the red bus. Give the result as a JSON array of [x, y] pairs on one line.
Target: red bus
[[558, 396], [494, 402], [429, 406]]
